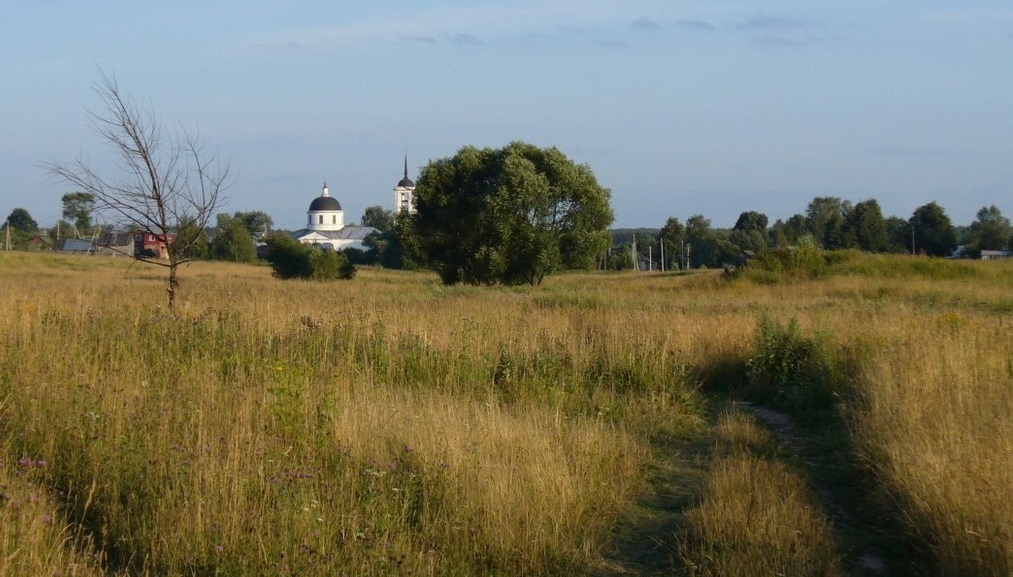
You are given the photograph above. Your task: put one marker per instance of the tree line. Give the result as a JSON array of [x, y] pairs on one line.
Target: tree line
[[832, 223]]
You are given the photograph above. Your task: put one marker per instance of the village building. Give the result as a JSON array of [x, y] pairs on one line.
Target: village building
[[325, 220], [116, 244], [74, 245], [996, 254], [325, 225], [404, 193], [150, 245]]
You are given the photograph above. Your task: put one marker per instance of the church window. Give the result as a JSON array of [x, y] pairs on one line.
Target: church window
[[320, 219]]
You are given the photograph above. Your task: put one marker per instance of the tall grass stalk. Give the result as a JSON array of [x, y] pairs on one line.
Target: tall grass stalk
[[936, 423]]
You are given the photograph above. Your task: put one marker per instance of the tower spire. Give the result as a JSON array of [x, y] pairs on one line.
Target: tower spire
[[406, 164]]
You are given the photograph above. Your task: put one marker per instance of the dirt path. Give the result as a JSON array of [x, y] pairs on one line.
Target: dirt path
[[642, 540], [868, 561]]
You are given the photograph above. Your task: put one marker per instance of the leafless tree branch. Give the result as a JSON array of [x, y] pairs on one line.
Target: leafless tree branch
[[163, 181]]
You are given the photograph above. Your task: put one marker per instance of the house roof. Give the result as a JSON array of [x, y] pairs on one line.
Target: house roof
[[74, 245], [116, 239], [346, 233]]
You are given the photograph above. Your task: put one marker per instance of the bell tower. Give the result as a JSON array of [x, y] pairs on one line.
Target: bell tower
[[404, 193]]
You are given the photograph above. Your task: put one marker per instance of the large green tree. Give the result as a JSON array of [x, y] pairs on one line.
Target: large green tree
[[788, 233], [290, 260], [990, 230], [865, 228], [232, 241], [701, 243], [898, 232], [379, 218], [933, 232], [673, 234], [825, 221], [20, 219], [510, 215], [255, 221], [78, 208], [750, 231]]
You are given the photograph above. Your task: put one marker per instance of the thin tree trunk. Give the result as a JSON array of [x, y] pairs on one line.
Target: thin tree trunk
[[173, 285]]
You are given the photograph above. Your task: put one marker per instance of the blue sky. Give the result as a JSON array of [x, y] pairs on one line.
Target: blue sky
[[680, 107]]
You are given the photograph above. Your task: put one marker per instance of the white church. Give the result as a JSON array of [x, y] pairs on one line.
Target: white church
[[325, 220], [404, 193]]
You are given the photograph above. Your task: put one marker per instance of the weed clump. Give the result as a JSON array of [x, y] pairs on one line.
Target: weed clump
[[805, 260], [800, 370], [289, 259]]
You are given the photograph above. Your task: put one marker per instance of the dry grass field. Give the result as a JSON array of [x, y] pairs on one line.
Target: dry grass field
[[391, 426]]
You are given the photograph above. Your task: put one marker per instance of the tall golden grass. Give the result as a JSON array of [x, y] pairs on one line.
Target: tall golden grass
[[757, 516], [926, 346], [390, 425], [938, 427]]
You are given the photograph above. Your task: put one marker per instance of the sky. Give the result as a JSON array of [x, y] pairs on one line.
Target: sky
[[709, 107]]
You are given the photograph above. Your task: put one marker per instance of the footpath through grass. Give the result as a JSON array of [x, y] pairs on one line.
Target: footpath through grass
[[902, 394]]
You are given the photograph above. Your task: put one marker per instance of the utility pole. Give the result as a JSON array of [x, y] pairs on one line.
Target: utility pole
[[633, 253], [662, 255], [7, 225], [913, 251]]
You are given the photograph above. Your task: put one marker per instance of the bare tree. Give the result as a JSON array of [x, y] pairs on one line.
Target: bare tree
[[165, 186]]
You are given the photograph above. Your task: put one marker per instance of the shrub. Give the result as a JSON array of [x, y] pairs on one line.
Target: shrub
[[799, 369], [805, 260], [330, 265], [290, 259]]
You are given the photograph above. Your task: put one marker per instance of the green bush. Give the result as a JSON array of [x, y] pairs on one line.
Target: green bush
[[331, 265], [801, 370], [290, 259], [804, 260]]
